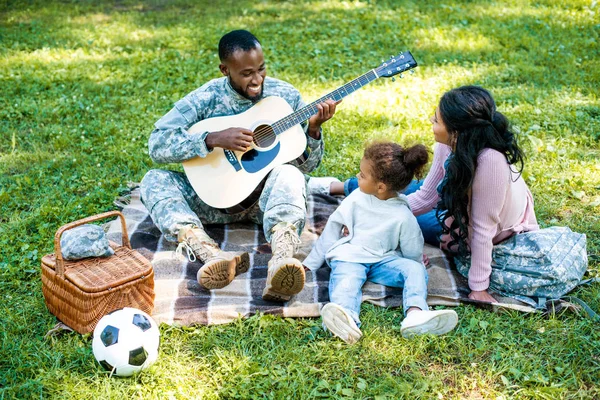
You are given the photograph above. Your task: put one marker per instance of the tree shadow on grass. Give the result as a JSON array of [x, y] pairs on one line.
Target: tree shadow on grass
[[310, 41]]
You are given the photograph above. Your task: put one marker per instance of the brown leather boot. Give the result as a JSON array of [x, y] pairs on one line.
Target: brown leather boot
[[285, 276], [220, 267]]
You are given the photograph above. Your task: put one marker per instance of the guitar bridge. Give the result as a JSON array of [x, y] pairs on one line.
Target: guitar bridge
[[230, 155]]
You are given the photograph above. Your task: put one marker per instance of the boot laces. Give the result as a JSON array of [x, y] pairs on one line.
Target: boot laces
[[196, 249], [286, 242], [191, 256]]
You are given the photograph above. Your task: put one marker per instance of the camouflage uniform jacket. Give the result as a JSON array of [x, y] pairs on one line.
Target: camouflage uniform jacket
[[171, 143]]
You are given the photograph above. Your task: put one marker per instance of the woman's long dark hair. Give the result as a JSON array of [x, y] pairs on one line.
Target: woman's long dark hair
[[470, 116]]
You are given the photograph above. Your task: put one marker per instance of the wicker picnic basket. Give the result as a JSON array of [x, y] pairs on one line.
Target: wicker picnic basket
[[81, 292]]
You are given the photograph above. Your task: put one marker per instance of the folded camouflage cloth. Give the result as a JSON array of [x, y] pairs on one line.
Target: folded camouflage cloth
[[180, 300], [85, 241]]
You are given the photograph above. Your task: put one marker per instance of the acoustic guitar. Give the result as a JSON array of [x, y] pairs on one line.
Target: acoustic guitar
[[232, 180]]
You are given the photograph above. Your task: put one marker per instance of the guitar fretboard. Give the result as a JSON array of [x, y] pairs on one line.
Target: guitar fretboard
[[308, 111]]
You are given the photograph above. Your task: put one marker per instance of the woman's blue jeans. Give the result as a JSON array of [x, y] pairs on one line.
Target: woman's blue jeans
[[428, 222], [347, 279]]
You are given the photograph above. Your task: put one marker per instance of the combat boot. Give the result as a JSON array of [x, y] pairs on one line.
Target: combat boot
[[285, 275], [220, 267]]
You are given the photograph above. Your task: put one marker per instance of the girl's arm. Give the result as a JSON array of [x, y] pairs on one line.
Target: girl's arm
[[427, 197], [331, 234], [411, 241]]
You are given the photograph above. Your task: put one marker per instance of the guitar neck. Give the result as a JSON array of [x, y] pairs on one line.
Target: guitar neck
[[308, 111]]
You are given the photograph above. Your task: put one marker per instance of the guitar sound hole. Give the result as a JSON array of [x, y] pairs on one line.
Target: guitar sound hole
[[264, 136]]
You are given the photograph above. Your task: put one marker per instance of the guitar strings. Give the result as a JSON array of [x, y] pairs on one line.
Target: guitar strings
[[311, 108], [264, 132]]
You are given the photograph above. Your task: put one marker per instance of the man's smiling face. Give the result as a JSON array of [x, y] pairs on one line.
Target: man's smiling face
[[246, 72]]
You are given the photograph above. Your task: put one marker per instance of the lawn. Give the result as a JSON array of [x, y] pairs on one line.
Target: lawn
[[82, 83]]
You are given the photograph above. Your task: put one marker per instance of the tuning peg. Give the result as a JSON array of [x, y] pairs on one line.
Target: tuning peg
[[393, 79], [412, 71], [401, 76]]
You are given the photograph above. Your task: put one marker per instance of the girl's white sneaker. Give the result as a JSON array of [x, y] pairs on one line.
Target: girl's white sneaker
[[340, 323], [420, 322]]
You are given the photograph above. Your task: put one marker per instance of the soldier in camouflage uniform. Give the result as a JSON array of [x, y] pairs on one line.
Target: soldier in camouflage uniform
[[281, 209]]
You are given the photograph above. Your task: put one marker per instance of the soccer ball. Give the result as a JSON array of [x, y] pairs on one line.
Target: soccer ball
[[126, 341]]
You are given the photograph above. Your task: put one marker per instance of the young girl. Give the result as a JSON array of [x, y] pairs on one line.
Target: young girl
[[384, 245]]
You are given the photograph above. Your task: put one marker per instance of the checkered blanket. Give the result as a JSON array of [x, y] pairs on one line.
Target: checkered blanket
[[181, 300]]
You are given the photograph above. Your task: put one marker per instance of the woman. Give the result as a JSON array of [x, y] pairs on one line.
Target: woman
[[475, 182]]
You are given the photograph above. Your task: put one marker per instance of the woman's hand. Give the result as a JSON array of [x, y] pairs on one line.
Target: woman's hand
[[482, 295]]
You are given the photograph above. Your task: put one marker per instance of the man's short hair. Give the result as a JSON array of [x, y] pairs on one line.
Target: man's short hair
[[236, 40]]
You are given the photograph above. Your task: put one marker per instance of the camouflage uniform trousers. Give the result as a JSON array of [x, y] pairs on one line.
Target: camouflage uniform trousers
[[172, 202]]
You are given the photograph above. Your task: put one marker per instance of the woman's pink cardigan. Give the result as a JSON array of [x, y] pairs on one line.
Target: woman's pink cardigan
[[500, 206]]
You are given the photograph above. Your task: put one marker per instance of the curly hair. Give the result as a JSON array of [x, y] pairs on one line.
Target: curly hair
[[394, 165], [470, 116]]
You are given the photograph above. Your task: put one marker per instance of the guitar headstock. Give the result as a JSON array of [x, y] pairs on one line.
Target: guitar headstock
[[396, 65]]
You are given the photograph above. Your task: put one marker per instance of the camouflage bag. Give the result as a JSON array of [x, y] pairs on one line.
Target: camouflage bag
[[536, 266]]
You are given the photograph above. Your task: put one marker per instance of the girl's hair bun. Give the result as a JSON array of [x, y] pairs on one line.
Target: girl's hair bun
[[415, 158]]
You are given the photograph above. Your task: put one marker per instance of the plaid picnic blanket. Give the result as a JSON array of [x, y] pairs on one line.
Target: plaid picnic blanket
[[180, 299]]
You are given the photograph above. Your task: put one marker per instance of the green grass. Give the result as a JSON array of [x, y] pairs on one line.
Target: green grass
[[81, 84]]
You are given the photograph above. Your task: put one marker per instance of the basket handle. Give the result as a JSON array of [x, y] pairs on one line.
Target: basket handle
[[60, 268]]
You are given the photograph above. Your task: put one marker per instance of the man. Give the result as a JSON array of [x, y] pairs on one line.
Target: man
[[281, 209]]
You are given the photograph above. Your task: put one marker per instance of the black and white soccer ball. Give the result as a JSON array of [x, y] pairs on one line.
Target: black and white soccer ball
[[126, 341]]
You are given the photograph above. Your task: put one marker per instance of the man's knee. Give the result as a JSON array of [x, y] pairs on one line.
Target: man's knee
[[155, 178], [288, 172]]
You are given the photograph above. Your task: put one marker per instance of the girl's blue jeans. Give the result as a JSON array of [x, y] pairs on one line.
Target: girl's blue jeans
[[428, 222], [347, 279]]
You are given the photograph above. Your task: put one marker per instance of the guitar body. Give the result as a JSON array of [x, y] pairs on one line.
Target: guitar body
[[225, 178]]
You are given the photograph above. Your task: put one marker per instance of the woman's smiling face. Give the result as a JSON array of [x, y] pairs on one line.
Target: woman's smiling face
[[440, 133]]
